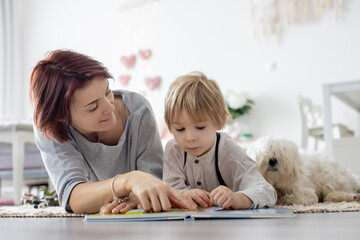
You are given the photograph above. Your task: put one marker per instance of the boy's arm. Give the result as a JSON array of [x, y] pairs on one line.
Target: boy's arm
[[243, 202], [173, 171], [225, 197], [242, 175]]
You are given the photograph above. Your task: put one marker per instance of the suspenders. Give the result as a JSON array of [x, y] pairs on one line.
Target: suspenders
[[218, 174]]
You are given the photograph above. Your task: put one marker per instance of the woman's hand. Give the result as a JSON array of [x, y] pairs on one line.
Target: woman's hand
[[198, 196], [224, 197], [116, 207], [153, 194]]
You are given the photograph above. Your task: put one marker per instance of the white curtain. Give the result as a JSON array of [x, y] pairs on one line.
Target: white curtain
[[11, 87]]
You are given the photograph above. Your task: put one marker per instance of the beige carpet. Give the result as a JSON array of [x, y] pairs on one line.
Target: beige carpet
[[29, 211]]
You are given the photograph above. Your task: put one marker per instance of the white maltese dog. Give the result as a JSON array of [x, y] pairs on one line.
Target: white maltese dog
[[302, 177]]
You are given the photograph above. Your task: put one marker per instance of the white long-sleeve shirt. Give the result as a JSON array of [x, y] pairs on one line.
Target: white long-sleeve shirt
[[238, 170]]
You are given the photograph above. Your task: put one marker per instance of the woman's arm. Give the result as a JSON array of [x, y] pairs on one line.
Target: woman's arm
[[90, 196], [153, 193]]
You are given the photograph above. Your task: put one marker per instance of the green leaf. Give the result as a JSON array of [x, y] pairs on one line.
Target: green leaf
[[238, 112]]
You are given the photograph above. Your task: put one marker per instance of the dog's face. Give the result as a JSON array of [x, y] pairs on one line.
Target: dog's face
[[277, 159]]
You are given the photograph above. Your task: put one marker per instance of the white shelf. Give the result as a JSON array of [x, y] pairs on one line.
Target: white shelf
[[347, 92], [347, 151]]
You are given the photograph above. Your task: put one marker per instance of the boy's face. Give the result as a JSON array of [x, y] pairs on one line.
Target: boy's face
[[195, 138]]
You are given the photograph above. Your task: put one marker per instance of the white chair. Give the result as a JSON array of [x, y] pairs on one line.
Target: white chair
[[312, 123]]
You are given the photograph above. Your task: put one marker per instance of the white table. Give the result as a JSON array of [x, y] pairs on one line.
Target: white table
[[347, 92], [17, 134]]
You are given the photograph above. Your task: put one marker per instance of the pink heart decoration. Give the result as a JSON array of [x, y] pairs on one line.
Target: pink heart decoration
[[124, 79], [128, 61], [145, 54], [153, 83]]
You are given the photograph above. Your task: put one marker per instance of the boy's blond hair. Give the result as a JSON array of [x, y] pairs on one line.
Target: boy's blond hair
[[199, 97]]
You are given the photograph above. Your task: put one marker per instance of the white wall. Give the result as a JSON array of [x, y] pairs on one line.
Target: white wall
[[213, 36]]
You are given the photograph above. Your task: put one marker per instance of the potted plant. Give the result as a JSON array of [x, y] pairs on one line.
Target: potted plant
[[239, 104]]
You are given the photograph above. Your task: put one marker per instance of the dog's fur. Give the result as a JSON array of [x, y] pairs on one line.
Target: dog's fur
[[302, 177]]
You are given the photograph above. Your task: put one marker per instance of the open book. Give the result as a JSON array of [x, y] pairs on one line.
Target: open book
[[184, 214]]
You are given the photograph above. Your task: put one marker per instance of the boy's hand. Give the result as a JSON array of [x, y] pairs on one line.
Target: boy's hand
[[198, 196], [224, 197]]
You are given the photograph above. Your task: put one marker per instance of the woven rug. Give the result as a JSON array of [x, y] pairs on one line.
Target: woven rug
[[326, 207], [29, 211]]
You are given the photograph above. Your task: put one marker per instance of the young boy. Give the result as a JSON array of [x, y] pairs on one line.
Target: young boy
[[207, 166]]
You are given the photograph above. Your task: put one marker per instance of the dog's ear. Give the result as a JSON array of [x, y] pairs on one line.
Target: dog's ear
[[295, 172], [292, 153]]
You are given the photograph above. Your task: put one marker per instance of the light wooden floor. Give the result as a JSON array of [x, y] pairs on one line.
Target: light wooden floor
[[339, 226]]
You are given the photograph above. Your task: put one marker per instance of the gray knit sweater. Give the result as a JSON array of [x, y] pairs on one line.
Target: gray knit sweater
[[78, 160]]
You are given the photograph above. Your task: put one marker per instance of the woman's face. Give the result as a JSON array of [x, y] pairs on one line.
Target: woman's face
[[92, 108]]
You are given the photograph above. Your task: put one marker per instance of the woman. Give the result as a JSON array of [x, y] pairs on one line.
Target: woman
[[98, 146]]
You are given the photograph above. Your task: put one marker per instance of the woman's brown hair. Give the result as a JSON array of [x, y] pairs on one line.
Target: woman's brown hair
[[53, 83]]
